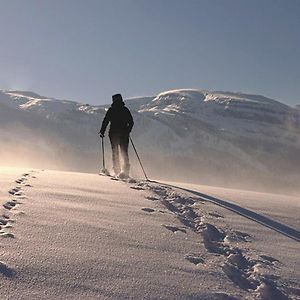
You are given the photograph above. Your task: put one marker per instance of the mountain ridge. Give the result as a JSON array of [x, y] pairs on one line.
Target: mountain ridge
[[230, 137]]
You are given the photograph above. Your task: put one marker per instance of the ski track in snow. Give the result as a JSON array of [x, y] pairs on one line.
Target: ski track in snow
[[238, 264], [11, 206], [261, 219]]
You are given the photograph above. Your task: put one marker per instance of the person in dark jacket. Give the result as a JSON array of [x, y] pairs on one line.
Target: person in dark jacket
[[121, 123]]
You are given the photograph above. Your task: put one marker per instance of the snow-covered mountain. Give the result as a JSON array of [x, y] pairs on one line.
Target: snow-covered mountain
[[193, 135]]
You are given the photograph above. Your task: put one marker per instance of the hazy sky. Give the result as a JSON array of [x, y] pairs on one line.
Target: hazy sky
[[87, 50]]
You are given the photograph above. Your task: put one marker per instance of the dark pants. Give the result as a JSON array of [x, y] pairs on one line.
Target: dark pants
[[119, 142]]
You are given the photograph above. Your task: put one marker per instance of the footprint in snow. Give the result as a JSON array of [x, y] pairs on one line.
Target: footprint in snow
[[159, 191], [131, 180], [239, 277], [4, 220], [17, 194], [137, 188], [293, 290], [237, 236], [149, 210], [213, 239], [14, 191], [6, 226], [194, 258], [216, 215], [9, 204], [5, 270], [268, 289], [170, 206], [183, 200], [174, 229], [152, 198], [6, 234], [239, 260], [269, 259]]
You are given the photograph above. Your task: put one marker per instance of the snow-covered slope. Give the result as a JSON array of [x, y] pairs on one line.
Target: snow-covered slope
[[194, 135], [84, 236]]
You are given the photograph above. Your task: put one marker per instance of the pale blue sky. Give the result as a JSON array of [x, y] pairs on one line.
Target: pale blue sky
[[87, 50]]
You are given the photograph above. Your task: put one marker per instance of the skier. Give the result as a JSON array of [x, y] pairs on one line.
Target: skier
[[121, 123]]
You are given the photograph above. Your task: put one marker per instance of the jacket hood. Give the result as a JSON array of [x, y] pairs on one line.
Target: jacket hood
[[117, 100], [118, 104]]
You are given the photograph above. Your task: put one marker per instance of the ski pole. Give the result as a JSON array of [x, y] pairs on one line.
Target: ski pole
[[104, 171], [138, 158], [103, 160]]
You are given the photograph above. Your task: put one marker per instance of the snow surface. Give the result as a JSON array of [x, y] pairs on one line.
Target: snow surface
[[84, 236]]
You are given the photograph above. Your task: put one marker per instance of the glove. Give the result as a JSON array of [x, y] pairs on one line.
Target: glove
[[101, 135]]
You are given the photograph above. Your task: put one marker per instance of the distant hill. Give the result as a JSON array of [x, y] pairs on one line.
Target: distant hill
[[200, 136]]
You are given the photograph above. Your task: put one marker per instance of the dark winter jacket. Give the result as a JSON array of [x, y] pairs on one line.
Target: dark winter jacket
[[119, 117]]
